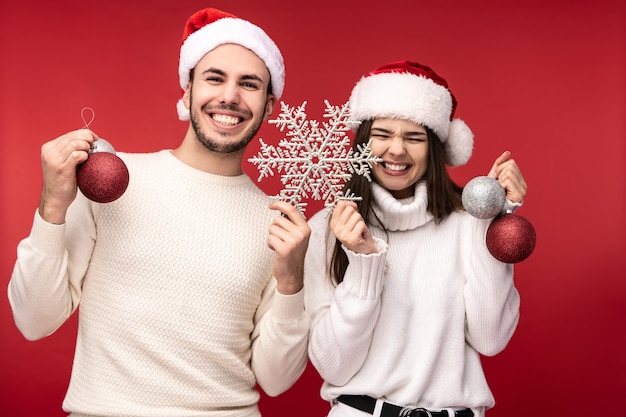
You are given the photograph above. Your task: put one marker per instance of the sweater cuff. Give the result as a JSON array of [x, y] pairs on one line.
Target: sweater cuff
[[287, 309], [510, 207], [47, 239], [364, 276]]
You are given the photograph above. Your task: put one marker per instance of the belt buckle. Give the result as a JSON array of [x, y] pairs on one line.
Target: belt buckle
[[419, 411]]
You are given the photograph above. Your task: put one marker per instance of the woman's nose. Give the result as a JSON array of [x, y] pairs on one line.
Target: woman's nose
[[396, 146]]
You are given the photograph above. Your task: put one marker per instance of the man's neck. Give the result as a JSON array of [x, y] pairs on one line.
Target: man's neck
[[194, 154]]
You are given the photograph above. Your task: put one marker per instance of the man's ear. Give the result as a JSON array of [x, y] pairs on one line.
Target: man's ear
[[270, 103], [187, 96]]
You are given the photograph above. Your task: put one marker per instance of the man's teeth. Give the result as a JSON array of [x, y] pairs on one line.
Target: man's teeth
[[225, 119], [395, 167]]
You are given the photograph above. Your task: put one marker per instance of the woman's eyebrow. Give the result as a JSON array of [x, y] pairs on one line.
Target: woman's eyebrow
[[415, 133]]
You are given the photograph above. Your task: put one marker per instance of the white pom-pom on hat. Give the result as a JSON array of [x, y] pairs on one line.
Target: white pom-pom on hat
[[209, 28], [411, 91], [459, 144]]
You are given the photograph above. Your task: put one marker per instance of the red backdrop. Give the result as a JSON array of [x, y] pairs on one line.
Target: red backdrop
[[544, 79]]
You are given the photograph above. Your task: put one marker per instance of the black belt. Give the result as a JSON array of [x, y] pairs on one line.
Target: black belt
[[367, 404]]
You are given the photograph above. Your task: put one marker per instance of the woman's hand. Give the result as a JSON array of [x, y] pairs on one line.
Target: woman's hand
[[508, 174], [349, 227]]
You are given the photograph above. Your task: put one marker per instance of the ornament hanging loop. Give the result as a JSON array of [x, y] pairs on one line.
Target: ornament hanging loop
[[91, 112]]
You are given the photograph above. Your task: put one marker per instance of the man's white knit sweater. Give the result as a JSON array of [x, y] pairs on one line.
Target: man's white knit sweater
[[179, 313], [408, 324]]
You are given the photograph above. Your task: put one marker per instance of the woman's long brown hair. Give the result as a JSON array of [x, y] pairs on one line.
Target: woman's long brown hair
[[444, 195]]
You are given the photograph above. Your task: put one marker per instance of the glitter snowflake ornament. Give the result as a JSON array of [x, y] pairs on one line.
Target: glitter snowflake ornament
[[315, 158]]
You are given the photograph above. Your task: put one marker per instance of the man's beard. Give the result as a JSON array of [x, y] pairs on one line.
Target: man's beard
[[226, 148]]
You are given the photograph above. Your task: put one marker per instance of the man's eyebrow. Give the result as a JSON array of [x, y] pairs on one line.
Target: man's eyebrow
[[244, 77], [251, 77], [214, 70]]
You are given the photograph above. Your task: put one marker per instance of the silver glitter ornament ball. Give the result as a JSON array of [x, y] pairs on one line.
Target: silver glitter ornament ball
[[483, 197], [101, 145]]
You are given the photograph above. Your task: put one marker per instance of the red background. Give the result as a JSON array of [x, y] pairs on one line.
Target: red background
[[544, 79]]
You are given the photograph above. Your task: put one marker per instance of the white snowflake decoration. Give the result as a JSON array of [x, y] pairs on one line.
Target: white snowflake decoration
[[315, 161]]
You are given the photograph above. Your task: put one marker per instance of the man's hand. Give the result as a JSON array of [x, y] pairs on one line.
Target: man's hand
[[289, 239], [59, 159]]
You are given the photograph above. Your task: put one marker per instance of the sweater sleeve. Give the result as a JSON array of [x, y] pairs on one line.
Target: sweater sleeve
[[491, 299], [280, 338], [45, 286], [343, 317]]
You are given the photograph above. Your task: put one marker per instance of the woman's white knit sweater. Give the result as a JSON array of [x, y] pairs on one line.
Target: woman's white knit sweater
[[409, 324], [179, 315]]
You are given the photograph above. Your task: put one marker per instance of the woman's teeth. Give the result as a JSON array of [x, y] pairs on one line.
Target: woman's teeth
[[226, 120], [395, 167]]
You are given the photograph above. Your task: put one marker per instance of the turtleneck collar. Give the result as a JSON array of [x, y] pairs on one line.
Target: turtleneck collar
[[405, 214]]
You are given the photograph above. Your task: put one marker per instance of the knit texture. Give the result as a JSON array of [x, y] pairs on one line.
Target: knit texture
[[409, 324], [173, 279]]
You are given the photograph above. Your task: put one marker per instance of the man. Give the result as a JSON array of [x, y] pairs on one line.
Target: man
[[183, 306]]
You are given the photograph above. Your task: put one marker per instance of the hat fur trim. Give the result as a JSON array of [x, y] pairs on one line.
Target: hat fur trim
[[402, 96]]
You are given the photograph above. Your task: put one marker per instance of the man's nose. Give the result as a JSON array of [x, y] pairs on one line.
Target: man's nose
[[229, 93]]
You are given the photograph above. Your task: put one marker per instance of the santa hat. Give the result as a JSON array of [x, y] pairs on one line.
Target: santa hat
[[209, 28], [411, 91]]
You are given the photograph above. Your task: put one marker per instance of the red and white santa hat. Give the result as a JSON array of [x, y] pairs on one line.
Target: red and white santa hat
[[411, 91], [209, 28]]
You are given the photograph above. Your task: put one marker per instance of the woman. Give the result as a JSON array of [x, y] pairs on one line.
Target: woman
[[403, 292]]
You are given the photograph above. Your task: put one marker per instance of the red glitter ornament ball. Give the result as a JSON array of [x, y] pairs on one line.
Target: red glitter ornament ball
[[511, 238], [103, 177]]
